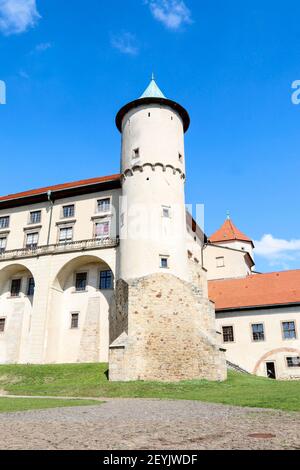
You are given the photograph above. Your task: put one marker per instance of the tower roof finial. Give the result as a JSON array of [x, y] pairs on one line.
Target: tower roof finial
[[228, 215], [153, 76]]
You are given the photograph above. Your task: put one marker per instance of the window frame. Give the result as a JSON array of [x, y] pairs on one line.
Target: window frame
[[168, 209], [6, 217], [28, 286], [252, 333], [66, 206], [164, 257], [98, 222], [3, 319], [30, 221], [78, 291], [31, 247], [233, 334], [65, 227], [3, 249], [106, 212], [71, 323], [136, 154], [99, 280], [220, 258], [292, 357], [20, 287], [295, 329]]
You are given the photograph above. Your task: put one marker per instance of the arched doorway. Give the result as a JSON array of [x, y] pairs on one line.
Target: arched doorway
[[17, 286], [78, 320]]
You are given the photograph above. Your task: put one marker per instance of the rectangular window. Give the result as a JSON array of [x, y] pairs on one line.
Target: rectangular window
[[164, 262], [15, 287], [228, 336], [68, 211], [103, 205], [136, 153], [102, 229], [4, 222], [289, 330], [258, 332], [166, 212], [32, 240], [65, 234], [35, 217], [106, 280], [81, 282], [293, 361], [3, 241], [220, 262], [30, 287], [2, 325], [74, 321]]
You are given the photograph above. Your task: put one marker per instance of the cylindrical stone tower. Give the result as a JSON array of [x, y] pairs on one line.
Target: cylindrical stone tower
[[152, 210]]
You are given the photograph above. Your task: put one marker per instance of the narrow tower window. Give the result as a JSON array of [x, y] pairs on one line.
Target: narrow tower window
[[180, 157], [136, 153], [74, 321], [166, 212]]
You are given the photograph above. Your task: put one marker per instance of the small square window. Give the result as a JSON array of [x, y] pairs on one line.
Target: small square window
[[2, 325], [35, 217], [289, 330], [103, 205], [293, 361], [220, 262], [74, 321], [258, 333], [228, 336], [15, 287], [102, 229], [68, 211], [81, 282], [106, 280], [164, 262], [4, 222]]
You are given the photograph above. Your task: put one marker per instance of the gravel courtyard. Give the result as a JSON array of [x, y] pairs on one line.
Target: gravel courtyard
[[150, 424]]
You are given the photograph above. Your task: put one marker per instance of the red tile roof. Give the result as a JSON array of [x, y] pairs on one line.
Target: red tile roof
[[278, 288], [59, 187], [228, 232]]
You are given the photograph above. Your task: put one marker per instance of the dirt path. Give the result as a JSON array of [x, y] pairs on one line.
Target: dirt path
[[150, 424]]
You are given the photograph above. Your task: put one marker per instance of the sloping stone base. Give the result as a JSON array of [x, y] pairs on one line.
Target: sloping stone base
[[171, 333]]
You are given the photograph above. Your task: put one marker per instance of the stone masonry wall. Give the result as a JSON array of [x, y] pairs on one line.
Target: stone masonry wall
[[171, 334]]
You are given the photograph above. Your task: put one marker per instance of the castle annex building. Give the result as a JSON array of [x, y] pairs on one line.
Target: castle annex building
[[114, 269]]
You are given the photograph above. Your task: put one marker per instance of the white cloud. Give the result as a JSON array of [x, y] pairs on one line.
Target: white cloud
[[16, 16], [277, 251], [125, 43], [172, 13], [43, 46]]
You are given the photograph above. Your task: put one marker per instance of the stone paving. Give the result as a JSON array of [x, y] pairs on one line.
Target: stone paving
[[125, 424]]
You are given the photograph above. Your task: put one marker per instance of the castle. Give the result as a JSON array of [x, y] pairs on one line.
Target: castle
[[114, 269]]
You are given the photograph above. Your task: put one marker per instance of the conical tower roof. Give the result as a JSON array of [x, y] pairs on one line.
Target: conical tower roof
[[229, 232], [153, 95], [153, 91]]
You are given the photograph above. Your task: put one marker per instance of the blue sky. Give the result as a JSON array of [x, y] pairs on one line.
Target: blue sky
[[69, 67]]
